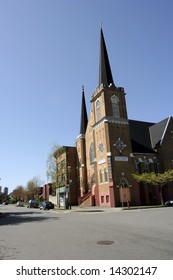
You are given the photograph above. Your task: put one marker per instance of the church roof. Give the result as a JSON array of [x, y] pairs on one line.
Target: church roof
[[157, 132], [140, 136], [84, 118], [146, 135], [105, 73]]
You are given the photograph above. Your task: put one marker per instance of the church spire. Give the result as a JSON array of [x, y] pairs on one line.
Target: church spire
[[84, 118], [105, 74]]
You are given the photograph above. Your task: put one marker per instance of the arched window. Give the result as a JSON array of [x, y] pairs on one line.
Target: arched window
[[115, 107], [92, 156], [106, 175], [93, 179], [145, 165], [98, 110], [101, 177]]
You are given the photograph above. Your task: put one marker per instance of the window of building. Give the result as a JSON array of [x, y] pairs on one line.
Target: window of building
[[150, 165], [156, 167], [91, 153], [102, 199], [63, 164], [98, 110], [136, 165], [145, 166], [93, 179], [106, 175], [107, 198], [59, 165], [140, 165], [101, 177], [115, 107], [59, 178], [63, 177]]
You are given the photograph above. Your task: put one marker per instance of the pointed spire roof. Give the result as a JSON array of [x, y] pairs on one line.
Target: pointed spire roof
[[105, 74], [84, 118]]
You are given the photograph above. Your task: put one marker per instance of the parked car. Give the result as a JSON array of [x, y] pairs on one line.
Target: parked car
[[33, 204], [5, 203], [46, 205], [19, 204], [169, 203]]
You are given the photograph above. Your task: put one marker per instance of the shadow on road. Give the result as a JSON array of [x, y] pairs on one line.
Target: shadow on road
[[14, 218]]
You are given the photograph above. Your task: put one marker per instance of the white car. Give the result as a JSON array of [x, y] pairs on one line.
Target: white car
[[19, 204]]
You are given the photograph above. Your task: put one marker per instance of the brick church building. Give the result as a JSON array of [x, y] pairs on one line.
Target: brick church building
[[111, 147]]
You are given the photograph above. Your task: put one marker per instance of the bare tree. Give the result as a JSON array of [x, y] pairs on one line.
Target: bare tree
[[51, 165], [19, 193], [33, 187]]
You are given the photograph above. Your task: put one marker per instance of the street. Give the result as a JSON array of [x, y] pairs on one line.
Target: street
[[95, 233]]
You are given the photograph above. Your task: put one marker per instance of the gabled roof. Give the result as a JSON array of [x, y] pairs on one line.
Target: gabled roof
[[105, 74], [140, 136], [157, 132], [146, 135]]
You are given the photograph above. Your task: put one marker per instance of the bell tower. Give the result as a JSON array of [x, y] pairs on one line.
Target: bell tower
[[110, 132]]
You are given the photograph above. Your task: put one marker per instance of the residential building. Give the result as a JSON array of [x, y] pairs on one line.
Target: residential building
[[67, 190]]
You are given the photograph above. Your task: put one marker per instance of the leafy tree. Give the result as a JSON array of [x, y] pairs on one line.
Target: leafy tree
[[159, 179]]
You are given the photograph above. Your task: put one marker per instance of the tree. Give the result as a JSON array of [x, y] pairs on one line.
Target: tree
[[159, 179], [3, 197], [51, 166], [33, 187], [19, 193]]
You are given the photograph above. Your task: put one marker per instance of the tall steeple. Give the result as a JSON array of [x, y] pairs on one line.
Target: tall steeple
[[84, 118], [105, 74]]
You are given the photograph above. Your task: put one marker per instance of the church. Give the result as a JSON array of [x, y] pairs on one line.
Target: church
[[110, 148]]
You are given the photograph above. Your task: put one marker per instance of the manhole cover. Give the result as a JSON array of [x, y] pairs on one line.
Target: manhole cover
[[105, 242]]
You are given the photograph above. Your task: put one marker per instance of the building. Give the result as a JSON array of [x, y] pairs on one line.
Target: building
[[49, 193], [67, 191], [110, 147], [6, 191]]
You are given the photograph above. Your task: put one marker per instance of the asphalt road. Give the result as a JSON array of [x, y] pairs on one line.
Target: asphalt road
[[31, 234]]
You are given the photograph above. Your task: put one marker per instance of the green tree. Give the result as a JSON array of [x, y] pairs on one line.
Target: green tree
[[159, 179]]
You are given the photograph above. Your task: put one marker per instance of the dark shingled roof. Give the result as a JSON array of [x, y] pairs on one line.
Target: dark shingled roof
[[140, 136], [157, 132], [146, 135]]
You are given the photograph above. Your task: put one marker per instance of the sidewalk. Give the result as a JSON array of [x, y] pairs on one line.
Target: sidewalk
[[102, 209], [96, 209]]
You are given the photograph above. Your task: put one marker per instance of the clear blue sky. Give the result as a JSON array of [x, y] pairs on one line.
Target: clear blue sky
[[50, 48]]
